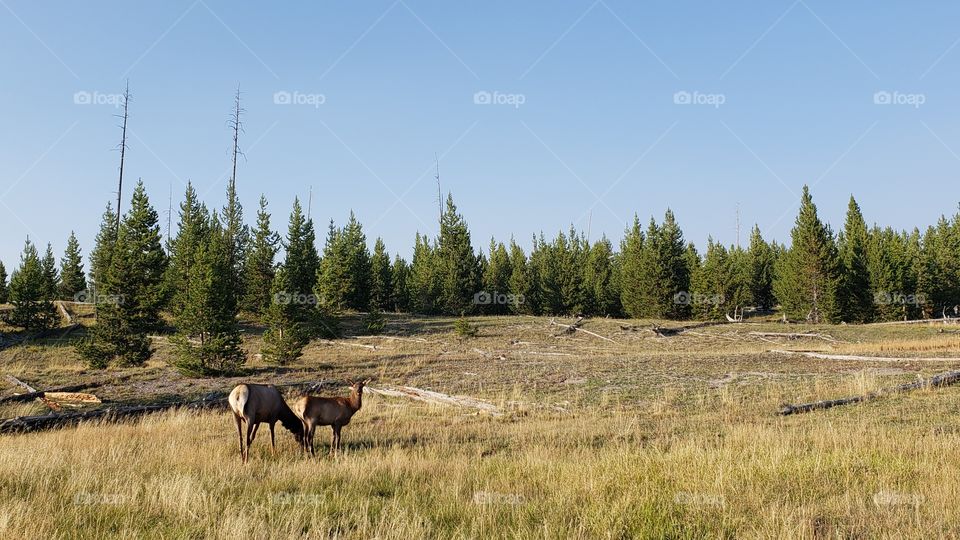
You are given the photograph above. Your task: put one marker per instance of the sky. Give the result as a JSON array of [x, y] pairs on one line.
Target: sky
[[542, 114]]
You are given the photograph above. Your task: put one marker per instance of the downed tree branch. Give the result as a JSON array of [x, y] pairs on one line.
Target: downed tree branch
[[23, 424], [793, 335], [937, 381], [19, 398], [823, 356], [576, 328], [436, 397], [53, 406]]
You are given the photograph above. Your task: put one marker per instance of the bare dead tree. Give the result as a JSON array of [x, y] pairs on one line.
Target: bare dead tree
[[237, 126], [123, 149]]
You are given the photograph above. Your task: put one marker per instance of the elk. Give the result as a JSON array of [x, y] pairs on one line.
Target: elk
[[259, 403], [328, 411]]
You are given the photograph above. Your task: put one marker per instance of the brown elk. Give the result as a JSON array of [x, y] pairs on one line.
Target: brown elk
[[328, 411], [259, 403]]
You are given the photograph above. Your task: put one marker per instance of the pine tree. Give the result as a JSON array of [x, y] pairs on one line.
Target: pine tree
[[238, 238], [287, 333], [457, 265], [146, 290], [30, 294], [72, 280], [739, 292], [673, 274], [710, 290], [294, 315], [344, 280], [424, 281], [519, 284], [892, 260], [4, 289], [102, 251], [807, 274], [602, 293], [302, 260], [191, 230], [51, 278], [208, 336], [761, 261], [399, 286], [854, 297], [496, 299], [656, 276], [381, 280], [632, 294], [119, 336], [260, 267]]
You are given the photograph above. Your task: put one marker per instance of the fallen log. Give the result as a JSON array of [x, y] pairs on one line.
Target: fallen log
[[792, 335], [824, 356], [51, 405], [24, 424], [18, 398], [575, 327], [944, 379], [429, 396]]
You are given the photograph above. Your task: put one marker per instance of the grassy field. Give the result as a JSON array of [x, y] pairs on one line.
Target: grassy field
[[663, 437]]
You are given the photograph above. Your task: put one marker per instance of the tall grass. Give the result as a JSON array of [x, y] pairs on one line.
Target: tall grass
[[716, 466]]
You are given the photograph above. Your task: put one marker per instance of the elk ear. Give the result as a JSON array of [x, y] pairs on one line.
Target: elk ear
[[367, 380]]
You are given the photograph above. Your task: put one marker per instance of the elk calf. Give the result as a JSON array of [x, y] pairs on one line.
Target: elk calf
[[328, 411], [258, 403]]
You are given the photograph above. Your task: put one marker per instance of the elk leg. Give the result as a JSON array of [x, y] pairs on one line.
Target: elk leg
[[273, 442], [251, 434], [313, 431], [239, 421]]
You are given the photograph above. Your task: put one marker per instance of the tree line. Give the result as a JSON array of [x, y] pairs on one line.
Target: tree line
[[216, 267]]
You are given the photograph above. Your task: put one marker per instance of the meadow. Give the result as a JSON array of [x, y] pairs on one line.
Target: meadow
[[669, 435]]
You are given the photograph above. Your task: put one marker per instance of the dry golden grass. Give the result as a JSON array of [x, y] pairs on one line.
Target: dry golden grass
[[652, 437]]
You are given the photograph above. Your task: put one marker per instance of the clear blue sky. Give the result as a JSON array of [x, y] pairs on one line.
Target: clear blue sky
[[598, 135]]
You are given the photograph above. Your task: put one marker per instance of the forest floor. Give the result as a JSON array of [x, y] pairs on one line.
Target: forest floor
[[627, 433]]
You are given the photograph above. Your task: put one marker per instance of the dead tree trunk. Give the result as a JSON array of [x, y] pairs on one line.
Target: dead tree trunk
[[23, 424], [944, 379]]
